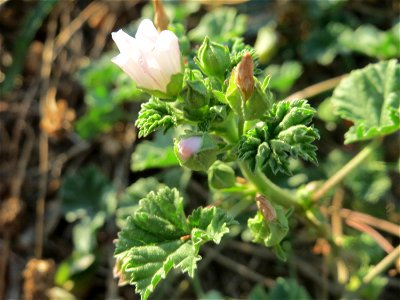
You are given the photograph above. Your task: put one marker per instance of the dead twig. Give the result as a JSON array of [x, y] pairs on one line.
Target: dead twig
[[317, 88], [370, 220]]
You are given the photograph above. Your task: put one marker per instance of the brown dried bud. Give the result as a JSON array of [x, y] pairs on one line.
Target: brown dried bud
[[244, 76], [57, 118], [11, 211], [38, 278], [265, 207], [160, 17]]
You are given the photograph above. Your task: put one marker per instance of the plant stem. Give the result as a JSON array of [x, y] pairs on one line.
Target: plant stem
[[344, 171], [317, 88], [382, 265], [273, 192]]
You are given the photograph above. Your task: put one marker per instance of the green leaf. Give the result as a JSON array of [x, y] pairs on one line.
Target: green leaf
[[287, 289], [106, 88], [87, 193], [370, 98], [283, 76], [369, 182], [283, 134], [159, 237], [155, 154], [154, 115], [369, 40], [129, 201], [219, 25]]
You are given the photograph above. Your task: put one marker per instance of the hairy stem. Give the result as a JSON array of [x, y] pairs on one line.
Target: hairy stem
[[344, 171], [265, 186]]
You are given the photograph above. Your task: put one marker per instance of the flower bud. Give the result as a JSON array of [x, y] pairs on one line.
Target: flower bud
[[196, 151], [195, 97], [160, 17], [245, 94], [213, 58], [221, 175], [265, 207], [244, 76]]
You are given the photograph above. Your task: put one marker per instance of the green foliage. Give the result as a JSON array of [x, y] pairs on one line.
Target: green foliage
[[266, 43], [283, 76], [129, 201], [369, 40], [221, 25], [87, 194], [284, 288], [89, 198], [158, 153], [155, 114], [287, 289], [283, 134], [106, 88], [29, 27], [159, 237], [370, 98], [369, 182]]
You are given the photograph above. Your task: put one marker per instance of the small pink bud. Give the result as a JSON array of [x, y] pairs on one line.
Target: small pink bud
[[189, 146]]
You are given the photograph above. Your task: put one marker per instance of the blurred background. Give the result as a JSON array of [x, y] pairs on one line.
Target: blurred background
[[72, 169]]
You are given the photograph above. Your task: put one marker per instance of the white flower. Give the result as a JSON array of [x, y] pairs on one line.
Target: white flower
[[150, 58], [188, 147]]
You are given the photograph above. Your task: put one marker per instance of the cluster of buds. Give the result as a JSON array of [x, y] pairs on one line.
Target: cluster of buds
[[213, 92]]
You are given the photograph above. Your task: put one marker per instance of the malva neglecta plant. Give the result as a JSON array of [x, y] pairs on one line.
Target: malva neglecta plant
[[233, 126]]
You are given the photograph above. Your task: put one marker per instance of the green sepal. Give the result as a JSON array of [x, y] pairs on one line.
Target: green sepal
[[254, 107], [221, 175], [196, 98], [213, 58], [270, 233], [173, 89], [204, 157]]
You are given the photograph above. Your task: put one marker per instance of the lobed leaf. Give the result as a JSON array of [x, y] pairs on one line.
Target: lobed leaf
[[283, 134], [159, 237], [154, 115], [370, 98]]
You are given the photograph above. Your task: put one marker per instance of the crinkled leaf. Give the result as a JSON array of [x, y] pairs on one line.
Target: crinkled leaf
[[219, 25], [129, 201], [154, 115], [283, 134], [159, 237], [284, 76], [369, 182], [288, 289], [87, 193], [158, 153], [369, 40], [370, 98]]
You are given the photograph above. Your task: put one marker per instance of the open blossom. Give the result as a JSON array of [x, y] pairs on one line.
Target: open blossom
[[150, 58], [189, 146]]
